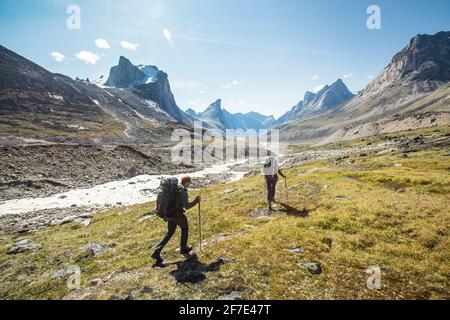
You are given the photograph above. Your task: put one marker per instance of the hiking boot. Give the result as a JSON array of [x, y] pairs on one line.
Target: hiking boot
[[157, 256], [186, 251]]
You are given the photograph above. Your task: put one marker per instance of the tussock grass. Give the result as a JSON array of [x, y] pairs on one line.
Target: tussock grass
[[379, 210]]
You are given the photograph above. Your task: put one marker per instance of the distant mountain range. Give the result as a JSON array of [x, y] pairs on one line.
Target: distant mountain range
[[216, 117], [134, 104], [327, 98], [407, 86]]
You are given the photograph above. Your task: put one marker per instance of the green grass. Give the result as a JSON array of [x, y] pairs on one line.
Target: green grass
[[381, 210]]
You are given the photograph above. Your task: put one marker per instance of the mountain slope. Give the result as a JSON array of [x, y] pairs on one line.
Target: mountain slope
[[38, 104], [419, 69]]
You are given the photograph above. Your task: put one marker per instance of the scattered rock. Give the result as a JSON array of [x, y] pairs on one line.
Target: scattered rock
[[59, 274], [23, 246], [312, 267], [296, 250], [110, 233], [68, 219], [259, 213], [84, 222], [96, 282], [264, 218], [86, 215], [145, 218], [95, 248], [229, 190], [23, 242], [234, 295], [340, 198]]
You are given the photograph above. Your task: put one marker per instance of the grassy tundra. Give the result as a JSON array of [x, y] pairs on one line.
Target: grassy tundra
[[386, 210]]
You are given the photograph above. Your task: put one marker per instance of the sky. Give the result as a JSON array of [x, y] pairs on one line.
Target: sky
[[255, 55]]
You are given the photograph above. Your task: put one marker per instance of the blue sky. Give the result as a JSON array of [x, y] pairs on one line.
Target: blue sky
[[256, 55]]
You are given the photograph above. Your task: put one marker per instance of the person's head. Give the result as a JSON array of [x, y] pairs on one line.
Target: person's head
[[186, 181]]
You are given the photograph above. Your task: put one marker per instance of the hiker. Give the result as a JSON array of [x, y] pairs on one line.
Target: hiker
[[271, 171], [175, 217]]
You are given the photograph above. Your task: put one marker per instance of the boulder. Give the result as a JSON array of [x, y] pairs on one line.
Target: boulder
[[95, 248], [23, 246], [234, 295], [312, 267]]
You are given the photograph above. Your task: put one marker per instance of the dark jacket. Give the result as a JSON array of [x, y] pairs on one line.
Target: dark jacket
[[185, 200]]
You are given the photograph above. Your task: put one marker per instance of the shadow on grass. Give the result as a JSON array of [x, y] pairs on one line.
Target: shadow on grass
[[291, 211], [193, 271]]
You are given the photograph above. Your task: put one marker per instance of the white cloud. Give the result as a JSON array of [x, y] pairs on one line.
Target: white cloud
[[347, 76], [315, 77], [88, 57], [58, 56], [369, 76], [102, 44], [129, 46], [168, 36], [233, 83], [318, 88]]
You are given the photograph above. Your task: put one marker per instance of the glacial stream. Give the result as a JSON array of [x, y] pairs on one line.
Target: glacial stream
[[137, 190]]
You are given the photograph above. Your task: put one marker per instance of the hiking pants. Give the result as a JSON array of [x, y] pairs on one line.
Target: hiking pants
[[271, 184], [181, 221]]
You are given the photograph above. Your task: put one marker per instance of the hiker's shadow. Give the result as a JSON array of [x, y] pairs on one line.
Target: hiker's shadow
[[193, 271], [291, 211]]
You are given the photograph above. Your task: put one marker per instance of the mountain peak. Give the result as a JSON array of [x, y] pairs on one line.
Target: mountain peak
[[123, 61], [309, 96], [216, 105], [191, 112], [124, 75]]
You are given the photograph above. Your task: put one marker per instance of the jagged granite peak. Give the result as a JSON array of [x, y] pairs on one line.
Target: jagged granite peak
[[309, 96], [215, 116], [191, 112], [214, 112], [215, 106], [124, 75], [147, 82], [330, 97]]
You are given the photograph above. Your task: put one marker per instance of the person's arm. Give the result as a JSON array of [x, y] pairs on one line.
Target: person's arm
[[185, 200], [281, 173]]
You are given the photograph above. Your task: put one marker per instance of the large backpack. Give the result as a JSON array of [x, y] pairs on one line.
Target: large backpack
[[168, 199]]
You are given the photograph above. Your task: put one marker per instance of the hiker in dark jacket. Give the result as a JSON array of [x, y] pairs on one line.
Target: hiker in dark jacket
[[271, 171], [178, 219]]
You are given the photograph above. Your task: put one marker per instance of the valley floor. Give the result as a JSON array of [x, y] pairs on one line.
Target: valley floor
[[339, 216]]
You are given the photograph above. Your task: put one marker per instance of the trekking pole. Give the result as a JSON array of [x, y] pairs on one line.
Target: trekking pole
[[200, 224], [287, 190]]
